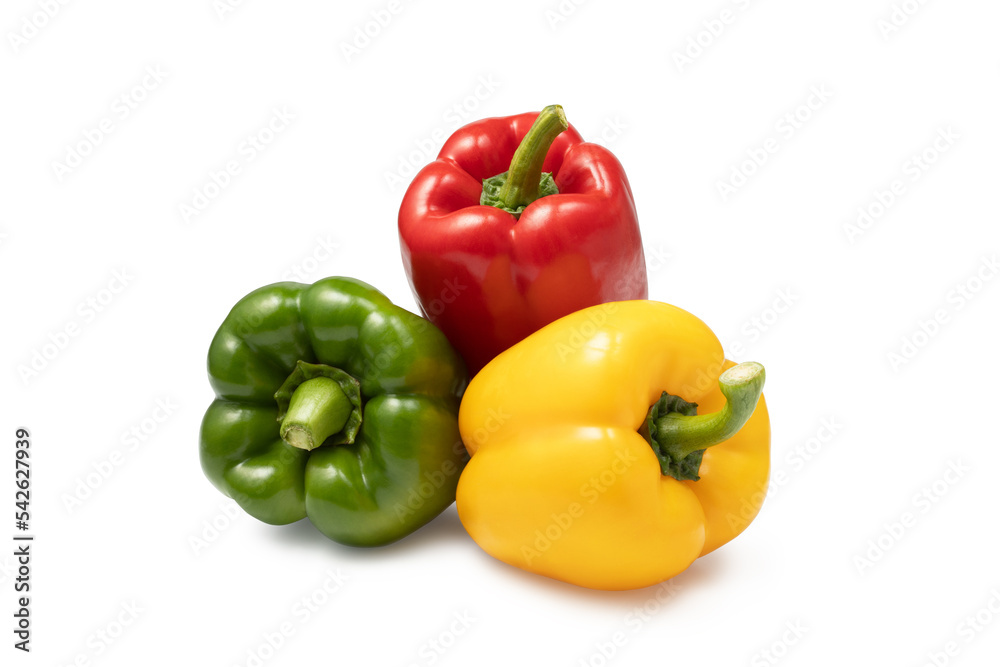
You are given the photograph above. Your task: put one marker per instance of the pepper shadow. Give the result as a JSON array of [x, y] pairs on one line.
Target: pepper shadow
[[699, 575], [447, 529], [443, 529]]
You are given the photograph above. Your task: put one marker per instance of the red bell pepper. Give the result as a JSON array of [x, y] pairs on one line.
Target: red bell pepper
[[495, 249]]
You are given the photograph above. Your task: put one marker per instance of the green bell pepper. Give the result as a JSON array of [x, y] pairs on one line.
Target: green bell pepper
[[333, 403]]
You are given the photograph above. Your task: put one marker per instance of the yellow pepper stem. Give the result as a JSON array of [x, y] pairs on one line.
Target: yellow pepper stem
[[679, 436]]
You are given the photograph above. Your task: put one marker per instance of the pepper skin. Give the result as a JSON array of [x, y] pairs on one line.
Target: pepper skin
[[367, 393], [488, 276], [561, 481]]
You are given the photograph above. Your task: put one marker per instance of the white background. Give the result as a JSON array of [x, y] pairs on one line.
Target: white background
[[867, 546]]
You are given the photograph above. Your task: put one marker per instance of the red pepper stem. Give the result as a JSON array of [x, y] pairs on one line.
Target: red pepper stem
[[525, 173]]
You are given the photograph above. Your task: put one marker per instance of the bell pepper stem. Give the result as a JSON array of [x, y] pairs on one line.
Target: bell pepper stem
[[318, 409], [525, 173], [681, 435]]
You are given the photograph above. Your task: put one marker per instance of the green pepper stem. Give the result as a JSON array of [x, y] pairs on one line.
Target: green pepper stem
[[318, 409], [680, 435], [525, 173]]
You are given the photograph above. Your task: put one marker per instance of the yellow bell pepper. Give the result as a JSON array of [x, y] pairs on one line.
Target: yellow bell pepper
[[589, 463]]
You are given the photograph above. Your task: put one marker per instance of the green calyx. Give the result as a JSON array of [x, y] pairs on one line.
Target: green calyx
[[318, 405], [524, 182], [679, 436], [493, 186]]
